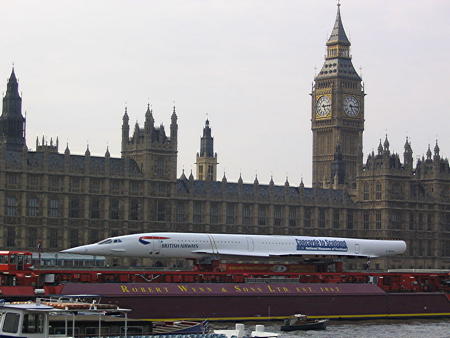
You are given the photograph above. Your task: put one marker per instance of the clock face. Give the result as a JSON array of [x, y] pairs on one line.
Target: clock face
[[323, 107], [351, 106]]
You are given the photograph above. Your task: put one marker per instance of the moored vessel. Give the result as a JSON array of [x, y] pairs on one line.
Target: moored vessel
[[265, 301], [68, 317], [299, 322], [239, 293]]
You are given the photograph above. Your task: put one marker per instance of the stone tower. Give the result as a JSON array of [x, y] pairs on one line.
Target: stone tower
[[12, 122], [337, 115], [154, 151], [206, 160]]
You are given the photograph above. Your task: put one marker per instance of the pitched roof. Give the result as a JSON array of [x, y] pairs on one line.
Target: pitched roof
[[76, 163], [261, 192]]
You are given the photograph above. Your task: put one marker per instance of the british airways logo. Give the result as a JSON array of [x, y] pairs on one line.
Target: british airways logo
[[321, 245], [144, 239]]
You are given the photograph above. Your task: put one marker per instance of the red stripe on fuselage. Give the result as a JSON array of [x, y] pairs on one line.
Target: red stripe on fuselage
[[153, 237]]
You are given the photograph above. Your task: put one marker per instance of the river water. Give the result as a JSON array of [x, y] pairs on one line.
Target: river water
[[429, 328]]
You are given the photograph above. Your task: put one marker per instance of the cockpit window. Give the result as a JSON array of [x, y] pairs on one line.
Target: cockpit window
[[117, 241], [106, 241]]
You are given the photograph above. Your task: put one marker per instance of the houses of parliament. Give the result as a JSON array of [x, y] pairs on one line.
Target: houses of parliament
[[55, 199]]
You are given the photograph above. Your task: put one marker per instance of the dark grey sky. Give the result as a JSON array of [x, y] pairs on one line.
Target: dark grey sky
[[248, 64]]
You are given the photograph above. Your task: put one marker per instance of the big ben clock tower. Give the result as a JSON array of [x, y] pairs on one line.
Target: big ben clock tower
[[337, 118]]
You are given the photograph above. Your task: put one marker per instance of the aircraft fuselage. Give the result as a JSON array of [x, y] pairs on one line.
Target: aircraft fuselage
[[201, 245]]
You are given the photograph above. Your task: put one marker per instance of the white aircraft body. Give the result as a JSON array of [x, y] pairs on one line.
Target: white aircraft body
[[204, 245]]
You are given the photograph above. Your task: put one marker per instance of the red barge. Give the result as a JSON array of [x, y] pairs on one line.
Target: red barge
[[237, 294]]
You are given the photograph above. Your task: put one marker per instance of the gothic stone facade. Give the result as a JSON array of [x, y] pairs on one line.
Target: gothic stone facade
[[60, 200]]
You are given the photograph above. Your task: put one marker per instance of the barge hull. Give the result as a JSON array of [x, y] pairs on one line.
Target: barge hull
[[243, 301]]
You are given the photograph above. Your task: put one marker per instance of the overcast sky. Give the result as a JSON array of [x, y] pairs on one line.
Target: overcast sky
[[248, 64]]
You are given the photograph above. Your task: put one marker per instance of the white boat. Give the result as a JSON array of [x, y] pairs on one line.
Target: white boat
[[32, 319], [239, 332], [260, 332]]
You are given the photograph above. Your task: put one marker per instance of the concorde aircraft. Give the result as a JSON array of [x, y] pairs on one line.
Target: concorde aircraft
[[203, 245]]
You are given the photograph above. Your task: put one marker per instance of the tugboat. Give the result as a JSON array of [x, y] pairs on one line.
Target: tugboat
[[302, 322]]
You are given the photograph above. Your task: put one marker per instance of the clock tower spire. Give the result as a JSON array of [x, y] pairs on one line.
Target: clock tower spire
[[337, 112]]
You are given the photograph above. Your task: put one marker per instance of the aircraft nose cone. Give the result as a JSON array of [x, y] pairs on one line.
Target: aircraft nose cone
[[77, 250]]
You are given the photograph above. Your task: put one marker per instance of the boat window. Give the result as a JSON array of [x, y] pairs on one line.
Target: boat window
[[62, 330], [132, 330], [11, 323], [117, 241], [33, 323], [106, 241], [95, 331]]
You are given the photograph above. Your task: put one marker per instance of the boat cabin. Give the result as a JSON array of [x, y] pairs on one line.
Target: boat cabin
[[29, 320], [63, 318]]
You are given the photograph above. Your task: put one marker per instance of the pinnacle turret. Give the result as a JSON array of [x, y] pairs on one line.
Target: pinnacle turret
[[12, 102], [408, 146], [174, 126], [206, 160], [302, 185], [207, 142], [67, 151], [125, 129], [149, 113], [125, 117], [386, 143], [380, 148], [12, 123], [338, 33], [224, 178], [12, 77], [436, 149], [12, 88], [407, 155], [174, 115], [183, 176], [429, 153], [256, 182], [149, 120]]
